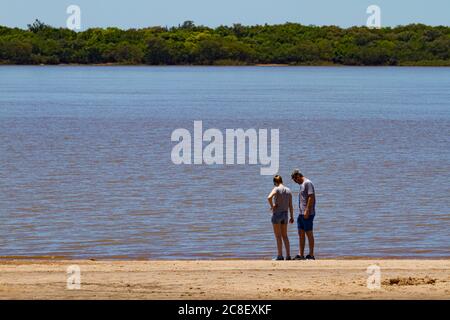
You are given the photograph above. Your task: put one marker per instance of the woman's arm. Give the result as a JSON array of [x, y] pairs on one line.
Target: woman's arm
[[270, 198]]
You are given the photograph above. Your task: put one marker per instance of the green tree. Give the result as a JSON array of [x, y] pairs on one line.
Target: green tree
[[127, 53], [157, 52]]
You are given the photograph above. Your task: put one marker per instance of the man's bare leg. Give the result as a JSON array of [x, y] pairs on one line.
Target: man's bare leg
[[301, 236], [310, 236]]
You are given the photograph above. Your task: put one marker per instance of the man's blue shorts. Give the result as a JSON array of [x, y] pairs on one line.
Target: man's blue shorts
[[305, 224]]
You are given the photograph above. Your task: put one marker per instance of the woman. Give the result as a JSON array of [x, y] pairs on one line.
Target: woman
[[279, 208]]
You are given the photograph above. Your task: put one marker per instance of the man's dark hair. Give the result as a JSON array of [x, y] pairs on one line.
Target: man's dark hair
[[277, 180], [296, 173]]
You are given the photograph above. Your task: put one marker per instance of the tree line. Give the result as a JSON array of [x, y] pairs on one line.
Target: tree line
[[189, 44]]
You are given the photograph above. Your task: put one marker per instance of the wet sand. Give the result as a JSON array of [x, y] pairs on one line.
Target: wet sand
[[233, 279]]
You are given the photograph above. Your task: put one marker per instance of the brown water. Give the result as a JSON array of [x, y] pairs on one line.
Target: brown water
[[85, 167]]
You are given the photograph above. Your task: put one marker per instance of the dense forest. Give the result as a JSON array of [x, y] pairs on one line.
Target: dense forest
[[188, 44]]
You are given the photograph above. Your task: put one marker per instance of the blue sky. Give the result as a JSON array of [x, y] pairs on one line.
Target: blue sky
[[141, 13]]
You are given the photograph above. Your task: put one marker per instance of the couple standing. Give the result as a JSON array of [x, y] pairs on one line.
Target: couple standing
[[280, 200]]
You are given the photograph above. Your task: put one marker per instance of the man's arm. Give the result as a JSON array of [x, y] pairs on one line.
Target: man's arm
[[309, 204]]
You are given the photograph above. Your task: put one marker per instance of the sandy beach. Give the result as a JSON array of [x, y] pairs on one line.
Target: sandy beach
[[233, 279]]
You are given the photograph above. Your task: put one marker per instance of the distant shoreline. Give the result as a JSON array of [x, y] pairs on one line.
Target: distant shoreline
[[228, 65], [243, 279], [236, 45]]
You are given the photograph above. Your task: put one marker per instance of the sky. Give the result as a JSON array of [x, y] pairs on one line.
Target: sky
[[143, 13]]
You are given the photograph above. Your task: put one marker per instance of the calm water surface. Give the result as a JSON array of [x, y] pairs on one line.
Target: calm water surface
[[86, 172]]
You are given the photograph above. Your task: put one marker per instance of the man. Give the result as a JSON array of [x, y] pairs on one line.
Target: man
[[307, 204]]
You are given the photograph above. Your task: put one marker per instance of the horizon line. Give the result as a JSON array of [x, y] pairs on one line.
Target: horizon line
[[179, 26]]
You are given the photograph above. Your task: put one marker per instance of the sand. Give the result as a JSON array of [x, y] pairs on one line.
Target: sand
[[234, 279]]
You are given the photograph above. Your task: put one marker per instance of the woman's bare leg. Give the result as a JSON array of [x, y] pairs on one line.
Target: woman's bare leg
[[277, 233], [285, 237]]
